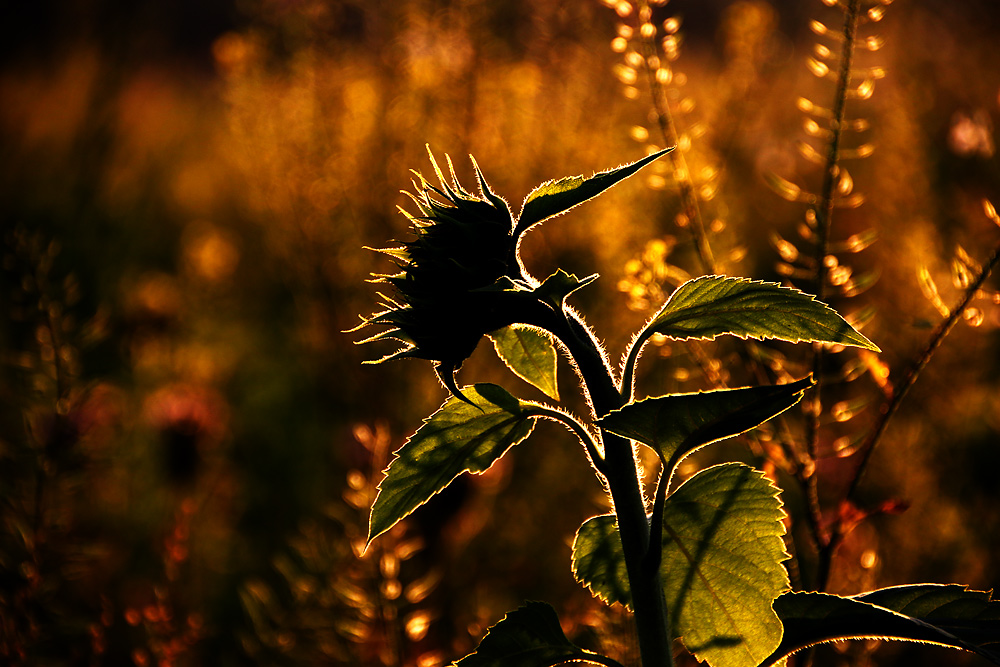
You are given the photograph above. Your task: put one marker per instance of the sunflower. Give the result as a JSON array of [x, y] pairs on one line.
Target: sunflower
[[456, 277], [460, 277]]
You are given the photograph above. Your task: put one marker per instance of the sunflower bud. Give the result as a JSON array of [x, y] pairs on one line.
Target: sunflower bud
[[456, 276], [461, 278]]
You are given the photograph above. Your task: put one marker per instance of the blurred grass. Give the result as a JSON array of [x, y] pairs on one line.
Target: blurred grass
[[186, 192]]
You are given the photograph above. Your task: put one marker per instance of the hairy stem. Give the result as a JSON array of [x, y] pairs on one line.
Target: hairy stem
[[628, 371], [575, 427], [620, 471]]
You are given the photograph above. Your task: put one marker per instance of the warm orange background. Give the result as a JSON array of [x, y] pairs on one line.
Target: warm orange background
[[188, 442]]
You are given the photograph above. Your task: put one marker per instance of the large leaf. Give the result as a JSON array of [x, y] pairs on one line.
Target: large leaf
[[531, 354], [599, 561], [949, 615], [677, 424], [711, 306], [459, 437], [722, 564], [721, 569], [529, 637], [555, 197]]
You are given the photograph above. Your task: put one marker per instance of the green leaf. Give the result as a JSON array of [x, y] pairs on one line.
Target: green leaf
[[530, 354], [529, 637], [948, 615], [599, 560], [678, 424], [711, 306], [721, 568], [556, 197], [971, 615], [459, 437], [560, 285], [722, 564]]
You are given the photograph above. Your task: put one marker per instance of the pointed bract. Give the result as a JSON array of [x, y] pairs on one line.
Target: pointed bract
[[554, 198], [462, 247]]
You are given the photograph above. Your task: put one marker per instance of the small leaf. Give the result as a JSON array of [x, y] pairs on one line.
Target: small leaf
[[722, 564], [711, 306], [459, 437], [678, 424], [530, 354], [599, 561], [721, 568], [560, 285], [556, 197], [529, 637], [949, 615]]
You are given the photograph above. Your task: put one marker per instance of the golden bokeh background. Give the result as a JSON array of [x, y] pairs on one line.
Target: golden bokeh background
[[188, 441]]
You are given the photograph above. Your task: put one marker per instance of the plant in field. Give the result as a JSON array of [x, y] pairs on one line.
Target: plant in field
[[703, 560], [842, 420]]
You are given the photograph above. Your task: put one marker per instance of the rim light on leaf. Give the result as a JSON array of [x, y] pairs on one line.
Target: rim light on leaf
[[459, 437], [678, 424], [530, 637], [554, 198], [944, 614], [721, 569], [530, 354], [723, 556], [712, 306]]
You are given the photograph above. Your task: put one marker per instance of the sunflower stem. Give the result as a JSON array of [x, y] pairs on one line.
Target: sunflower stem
[[622, 474]]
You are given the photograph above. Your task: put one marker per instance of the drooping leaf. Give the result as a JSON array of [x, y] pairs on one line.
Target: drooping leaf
[[530, 354], [459, 437], [555, 197], [721, 569], [599, 560], [529, 637], [722, 564], [678, 424], [560, 285], [973, 616], [711, 306], [948, 615]]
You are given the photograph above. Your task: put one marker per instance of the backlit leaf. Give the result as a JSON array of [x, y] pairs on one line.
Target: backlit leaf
[[711, 306], [459, 437], [529, 637], [530, 354], [949, 615], [560, 285], [677, 424], [722, 564], [599, 561], [555, 197], [721, 569]]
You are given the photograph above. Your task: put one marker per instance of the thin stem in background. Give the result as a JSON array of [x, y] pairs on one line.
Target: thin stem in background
[[824, 217], [668, 129], [899, 392], [901, 389], [804, 471]]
